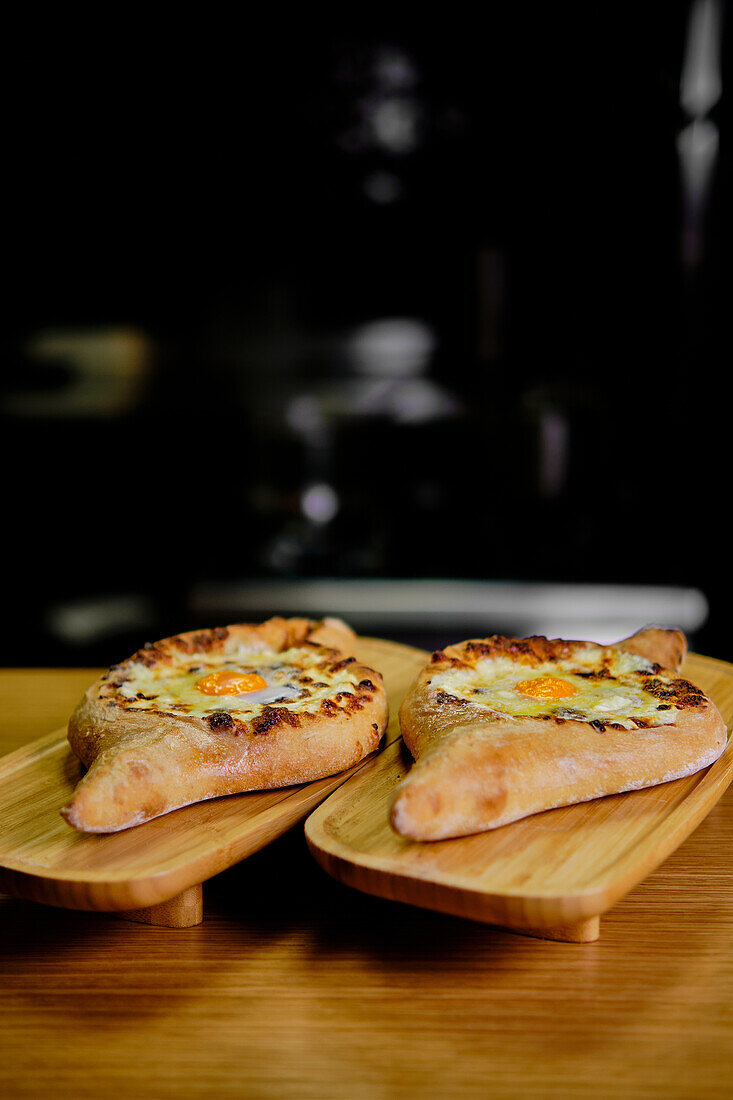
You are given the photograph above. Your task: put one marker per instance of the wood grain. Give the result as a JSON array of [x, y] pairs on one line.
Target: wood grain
[[296, 987], [43, 859], [550, 874]]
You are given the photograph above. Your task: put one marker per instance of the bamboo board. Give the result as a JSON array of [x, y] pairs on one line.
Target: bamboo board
[[550, 875], [153, 872]]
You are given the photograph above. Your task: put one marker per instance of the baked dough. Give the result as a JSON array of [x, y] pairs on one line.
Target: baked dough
[[596, 720], [220, 711]]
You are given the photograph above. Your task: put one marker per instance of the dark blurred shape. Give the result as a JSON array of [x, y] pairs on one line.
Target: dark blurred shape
[[407, 299]]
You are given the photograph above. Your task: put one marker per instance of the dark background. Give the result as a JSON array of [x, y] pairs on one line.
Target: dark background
[[449, 270]]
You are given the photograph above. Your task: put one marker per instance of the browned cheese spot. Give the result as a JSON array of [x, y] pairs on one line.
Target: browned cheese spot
[[679, 692]]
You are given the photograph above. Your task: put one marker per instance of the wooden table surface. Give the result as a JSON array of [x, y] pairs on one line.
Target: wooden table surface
[[296, 986]]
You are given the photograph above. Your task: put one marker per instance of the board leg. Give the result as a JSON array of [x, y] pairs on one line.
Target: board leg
[[580, 931], [182, 911]]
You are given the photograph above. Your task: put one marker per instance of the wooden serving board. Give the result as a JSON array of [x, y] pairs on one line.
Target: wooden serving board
[[549, 875], [152, 872]]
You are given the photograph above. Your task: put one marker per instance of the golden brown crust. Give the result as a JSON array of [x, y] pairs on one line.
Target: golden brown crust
[[143, 763], [474, 772], [667, 648]]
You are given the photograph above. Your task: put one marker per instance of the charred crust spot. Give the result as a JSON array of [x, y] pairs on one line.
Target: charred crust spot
[[329, 706], [641, 723], [367, 685], [350, 702], [534, 650], [342, 664], [600, 726], [201, 640], [150, 654], [221, 722], [441, 657], [595, 674], [444, 697], [266, 721], [328, 651], [271, 717], [375, 725]]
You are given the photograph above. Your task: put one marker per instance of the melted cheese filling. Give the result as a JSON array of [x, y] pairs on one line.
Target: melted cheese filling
[[292, 678], [500, 685]]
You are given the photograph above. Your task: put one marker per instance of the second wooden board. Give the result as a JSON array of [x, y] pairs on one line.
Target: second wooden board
[[548, 875]]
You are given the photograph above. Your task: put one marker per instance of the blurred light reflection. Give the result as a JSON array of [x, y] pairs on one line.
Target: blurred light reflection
[[697, 143], [455, 608]]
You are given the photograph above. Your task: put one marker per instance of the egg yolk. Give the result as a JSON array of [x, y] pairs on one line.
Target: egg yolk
[[546, 687], [226, 682]]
